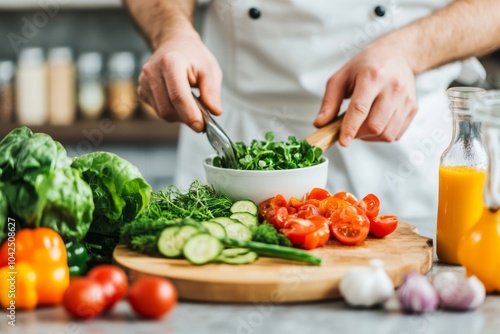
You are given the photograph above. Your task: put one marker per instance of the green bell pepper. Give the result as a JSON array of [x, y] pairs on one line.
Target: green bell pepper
[[77, 258]]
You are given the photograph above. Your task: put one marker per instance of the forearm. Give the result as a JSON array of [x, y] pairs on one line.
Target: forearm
[[159, 19], [463, 29]]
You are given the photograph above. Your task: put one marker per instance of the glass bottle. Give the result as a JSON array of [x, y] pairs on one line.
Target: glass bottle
[[461, 175], [91, 92], [121, 87], [7, 70], [62, 82], [31, 88], [479, 249]]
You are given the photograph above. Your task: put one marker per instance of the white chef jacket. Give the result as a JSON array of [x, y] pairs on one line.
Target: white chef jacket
[[276, 57]]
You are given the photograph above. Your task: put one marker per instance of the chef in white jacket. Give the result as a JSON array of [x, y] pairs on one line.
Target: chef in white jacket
[[287, 66]]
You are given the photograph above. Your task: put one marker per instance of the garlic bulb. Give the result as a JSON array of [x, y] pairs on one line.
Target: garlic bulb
[[416, 294], [457, 292], [366, 286]]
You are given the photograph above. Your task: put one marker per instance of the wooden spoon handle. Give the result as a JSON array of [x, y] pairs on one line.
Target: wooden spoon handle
[[327, 135]]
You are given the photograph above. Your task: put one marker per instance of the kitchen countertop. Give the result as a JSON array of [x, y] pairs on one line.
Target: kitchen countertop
[[317, 318]]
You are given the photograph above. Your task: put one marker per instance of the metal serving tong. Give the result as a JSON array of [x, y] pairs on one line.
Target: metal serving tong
[[217, 137]]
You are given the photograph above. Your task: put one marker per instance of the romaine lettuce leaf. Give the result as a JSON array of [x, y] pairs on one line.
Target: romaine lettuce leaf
[[119, 190], [64, 203]]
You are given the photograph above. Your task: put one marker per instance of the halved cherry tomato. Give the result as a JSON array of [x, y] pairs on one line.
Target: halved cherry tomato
[[370, 205], [295, 202], [331, 204], [318, 193], [279, 219], [380, 226], [307, 210], [314, 202], [346, 196], [270, 206], [309, 233], [350, 225]]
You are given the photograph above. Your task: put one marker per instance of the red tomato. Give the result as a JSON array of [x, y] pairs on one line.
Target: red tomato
[[331, 204], [84, 298], [318, 193], [370, 205], [344, 195], [309, 233], [279, 218], [152, 297], [113, 282], [380, 226], [269, 207], [350, 225], [307, 210]]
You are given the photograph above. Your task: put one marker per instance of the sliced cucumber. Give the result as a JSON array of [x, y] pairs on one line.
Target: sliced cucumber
[[232, 252], [240, 259], [186, 232], [167, 242], [202, 248], [245, 206], [224, 221], [238, 231], [246, 218], [215, 229]]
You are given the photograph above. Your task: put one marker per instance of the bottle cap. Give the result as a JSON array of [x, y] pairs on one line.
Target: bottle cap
[[121, 65], [60, 55], [7, 70], [31, 57], [89, 65]]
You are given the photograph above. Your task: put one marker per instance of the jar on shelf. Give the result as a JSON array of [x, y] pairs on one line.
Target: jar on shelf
[[7, 71], [479, 249], [147, 109], [62, 90], [31, 88], [91, 92], [122, 97], [461, 175]]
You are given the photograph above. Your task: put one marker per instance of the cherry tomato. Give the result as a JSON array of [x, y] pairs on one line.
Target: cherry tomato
[[380, 226], [84, 298], [331, 204], [152, 297], [318, 193], [309, 233], [346, 196], [279, 218], [314, 202], [295, 202], [113, 282], [307, 210], [349, 225], [269, 207], [370, 205]]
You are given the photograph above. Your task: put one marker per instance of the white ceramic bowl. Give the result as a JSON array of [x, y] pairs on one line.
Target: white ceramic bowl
[[259, 185]]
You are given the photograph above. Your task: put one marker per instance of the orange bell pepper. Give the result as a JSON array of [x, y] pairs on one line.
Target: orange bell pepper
[[43, 251], [479, 250], [20, 290]]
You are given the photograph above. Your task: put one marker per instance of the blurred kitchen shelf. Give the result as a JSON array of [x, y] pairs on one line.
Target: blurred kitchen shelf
[[126, 132], [66, 4]]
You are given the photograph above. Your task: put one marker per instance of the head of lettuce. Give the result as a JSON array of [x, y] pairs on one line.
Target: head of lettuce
[[42, 186]]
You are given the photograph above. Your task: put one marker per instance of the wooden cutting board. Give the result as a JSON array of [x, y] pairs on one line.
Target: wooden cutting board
[[282, 281]]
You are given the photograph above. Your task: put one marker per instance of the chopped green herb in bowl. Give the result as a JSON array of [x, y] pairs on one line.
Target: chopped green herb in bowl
[[274, 155]]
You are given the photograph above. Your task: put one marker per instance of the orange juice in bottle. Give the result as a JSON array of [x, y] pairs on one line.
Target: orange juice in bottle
[[479, 248], [461, 176]]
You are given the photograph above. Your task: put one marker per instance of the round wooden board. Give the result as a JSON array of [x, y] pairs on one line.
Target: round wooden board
[[282, 281]]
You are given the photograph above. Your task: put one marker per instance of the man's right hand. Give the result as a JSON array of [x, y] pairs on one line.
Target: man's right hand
[[182, 61]]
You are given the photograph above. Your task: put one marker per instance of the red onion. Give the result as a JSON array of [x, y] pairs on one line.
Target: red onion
[[416, 294]]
